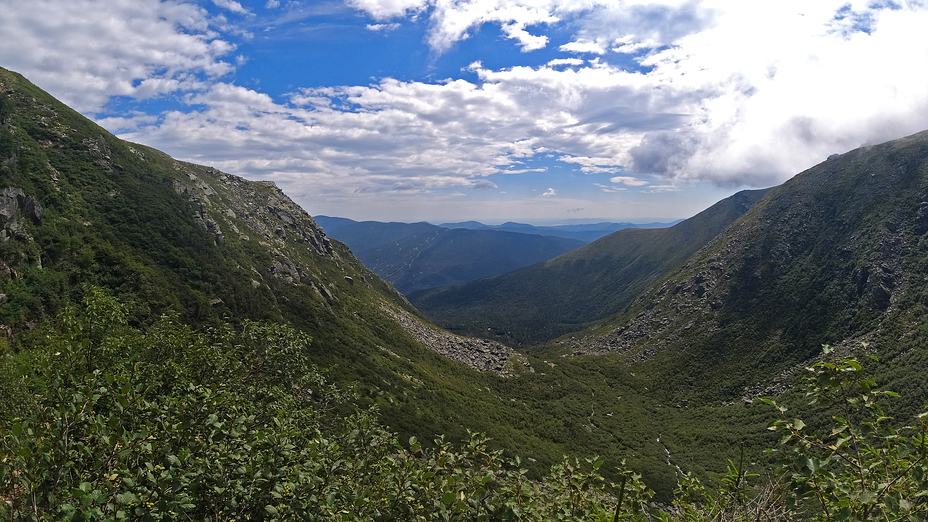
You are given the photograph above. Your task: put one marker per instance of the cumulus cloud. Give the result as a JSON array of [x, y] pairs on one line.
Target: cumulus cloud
[[787, 92], [384, 9], [451, 21], [550, 193], [484, 184], [87, 51], [565, 61]]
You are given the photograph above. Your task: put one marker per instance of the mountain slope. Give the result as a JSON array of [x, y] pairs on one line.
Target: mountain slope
[[571, 291], [78, 205], [835, 255], [165, 237], [418, 256]]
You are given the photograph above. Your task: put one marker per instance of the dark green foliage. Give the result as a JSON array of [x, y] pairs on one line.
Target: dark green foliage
[[866, 467]]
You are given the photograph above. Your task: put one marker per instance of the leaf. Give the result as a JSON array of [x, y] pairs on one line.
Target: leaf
[[271, 509], [813, 464], [126, 498]]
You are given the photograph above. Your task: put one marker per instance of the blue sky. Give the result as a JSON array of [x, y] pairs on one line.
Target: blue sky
[[540, 111]]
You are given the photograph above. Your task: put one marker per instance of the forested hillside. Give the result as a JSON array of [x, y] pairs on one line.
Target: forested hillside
[[835, 255]]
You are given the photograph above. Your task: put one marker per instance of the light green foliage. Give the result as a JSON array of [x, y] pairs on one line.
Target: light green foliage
[[864, 468]]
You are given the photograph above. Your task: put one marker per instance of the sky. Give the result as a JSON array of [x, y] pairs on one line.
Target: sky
[[538, 111]]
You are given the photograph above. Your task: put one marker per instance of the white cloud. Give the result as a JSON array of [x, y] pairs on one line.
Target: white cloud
[[733, 92], [550, 193], [382, 27], [610, 188], [231, 5], [523, 171], [787, 91], [130, 123], [385, 9], [86, 51], [630, 181], [272, 4], [565, 61], [584, 46]]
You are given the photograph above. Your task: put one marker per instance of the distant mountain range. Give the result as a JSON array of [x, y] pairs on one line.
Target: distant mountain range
[[583, 232], [419, 256], [572, 291]]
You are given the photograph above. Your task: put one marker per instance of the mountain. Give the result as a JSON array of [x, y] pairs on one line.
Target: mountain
[[79, 206], [583, 232], [574, 290], [185, 243], [836, 255], [417, 256]]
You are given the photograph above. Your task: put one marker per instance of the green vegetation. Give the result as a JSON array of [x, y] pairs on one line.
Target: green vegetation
[[131, 220], [234, 422]]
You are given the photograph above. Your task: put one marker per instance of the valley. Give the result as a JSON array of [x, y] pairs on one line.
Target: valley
[[163, 281]]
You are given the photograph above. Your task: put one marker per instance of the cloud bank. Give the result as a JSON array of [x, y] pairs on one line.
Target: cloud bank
[[648, 95]]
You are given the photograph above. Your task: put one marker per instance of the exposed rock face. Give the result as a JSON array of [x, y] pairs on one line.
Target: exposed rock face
[[14, 205], [476, 353], [224, 199], [232, 208]]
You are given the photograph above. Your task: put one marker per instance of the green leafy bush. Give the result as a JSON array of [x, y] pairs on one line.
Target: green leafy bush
[[234, 423], [865, 467]]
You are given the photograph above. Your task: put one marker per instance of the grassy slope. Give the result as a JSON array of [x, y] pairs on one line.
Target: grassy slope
[[572, 291]]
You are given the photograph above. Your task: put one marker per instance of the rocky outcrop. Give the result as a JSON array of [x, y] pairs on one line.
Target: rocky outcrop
[[248, 210], [14, 206], [477, 353]]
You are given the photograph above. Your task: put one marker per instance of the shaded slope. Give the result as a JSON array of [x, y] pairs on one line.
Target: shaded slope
[[835, 255], [419, 256], [571, 291]]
